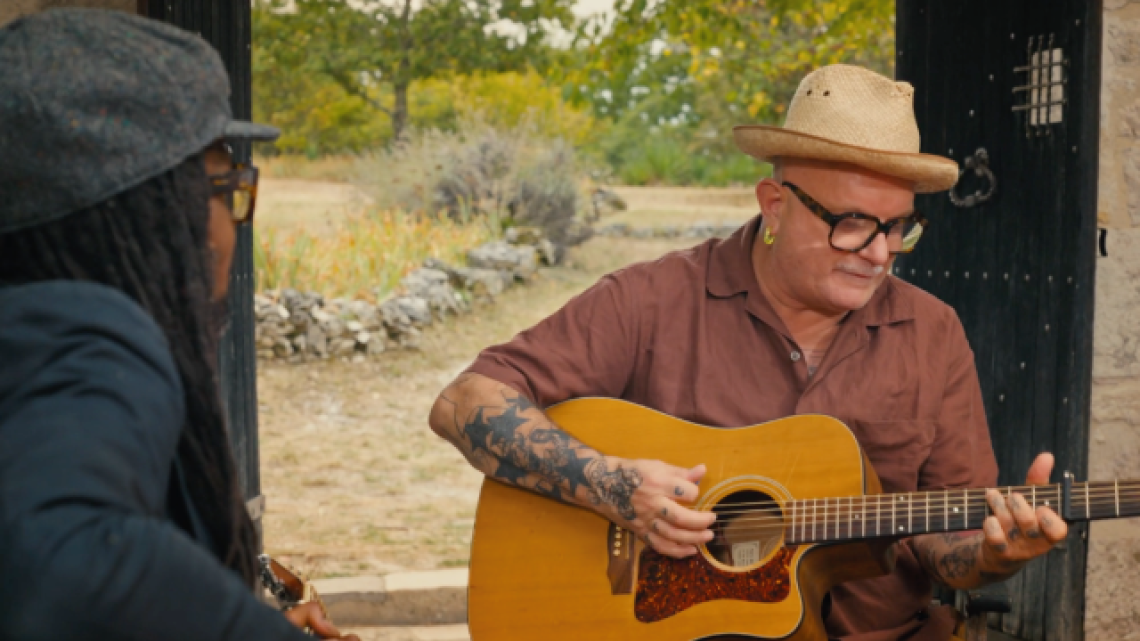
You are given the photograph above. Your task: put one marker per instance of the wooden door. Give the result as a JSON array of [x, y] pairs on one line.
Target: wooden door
[[1020, 78], [225, 24]]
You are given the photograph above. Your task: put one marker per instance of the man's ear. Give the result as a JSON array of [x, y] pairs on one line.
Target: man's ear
[[770, 196]]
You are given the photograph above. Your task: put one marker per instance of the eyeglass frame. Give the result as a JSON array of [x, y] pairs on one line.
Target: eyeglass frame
[[834, 219], [241, 178]]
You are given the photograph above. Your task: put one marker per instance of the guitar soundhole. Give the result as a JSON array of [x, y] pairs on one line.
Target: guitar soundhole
[[749, 527]]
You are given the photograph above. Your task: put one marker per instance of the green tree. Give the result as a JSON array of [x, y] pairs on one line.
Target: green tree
[[691, 70], [367, 46]]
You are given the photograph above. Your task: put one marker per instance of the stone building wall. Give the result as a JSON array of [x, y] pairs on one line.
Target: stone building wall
[[1113, 593]]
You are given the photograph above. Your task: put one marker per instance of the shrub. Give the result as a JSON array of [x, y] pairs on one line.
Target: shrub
[[507, 176]]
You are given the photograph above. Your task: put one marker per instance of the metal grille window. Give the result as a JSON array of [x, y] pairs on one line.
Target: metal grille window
[[1044, 87]]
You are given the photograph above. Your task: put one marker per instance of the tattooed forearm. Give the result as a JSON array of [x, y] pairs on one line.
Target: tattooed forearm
[[504, 435]]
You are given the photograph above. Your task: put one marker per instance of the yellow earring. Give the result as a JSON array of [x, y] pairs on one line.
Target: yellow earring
[[769, 237]]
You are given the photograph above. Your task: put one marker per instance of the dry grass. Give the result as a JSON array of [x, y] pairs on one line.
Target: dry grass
[[340, 169], [679, 206], [356, 482], [363, 255]]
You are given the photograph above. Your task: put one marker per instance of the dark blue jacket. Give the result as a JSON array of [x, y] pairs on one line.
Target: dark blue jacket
[[91, 410]]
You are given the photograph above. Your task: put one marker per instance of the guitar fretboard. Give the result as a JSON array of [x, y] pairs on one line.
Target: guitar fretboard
[[883, 515]]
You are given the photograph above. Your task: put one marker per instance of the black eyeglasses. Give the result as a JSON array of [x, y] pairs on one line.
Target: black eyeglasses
[[853, 231], [240, 185]]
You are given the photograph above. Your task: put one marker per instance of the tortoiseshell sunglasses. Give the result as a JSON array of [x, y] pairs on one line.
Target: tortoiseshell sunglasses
[[241, 187], [853, 231]]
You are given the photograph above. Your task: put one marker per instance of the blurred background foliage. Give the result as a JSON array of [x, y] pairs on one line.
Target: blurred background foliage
[[644, 94]]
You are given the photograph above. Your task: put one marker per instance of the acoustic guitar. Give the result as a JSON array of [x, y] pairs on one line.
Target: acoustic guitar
[[799, 510]]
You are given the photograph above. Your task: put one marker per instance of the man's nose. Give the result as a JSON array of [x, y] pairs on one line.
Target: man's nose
[[878, 252]]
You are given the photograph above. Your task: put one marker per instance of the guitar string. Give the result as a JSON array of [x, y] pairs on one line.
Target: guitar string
[[831, 505], [767, 524], [837, 522], [935, 497], [828, 513]]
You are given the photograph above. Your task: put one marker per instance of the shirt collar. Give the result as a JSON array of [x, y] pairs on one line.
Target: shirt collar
[[730, 273]]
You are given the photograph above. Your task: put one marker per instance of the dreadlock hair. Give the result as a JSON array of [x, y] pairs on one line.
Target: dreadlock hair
[[150, 242]]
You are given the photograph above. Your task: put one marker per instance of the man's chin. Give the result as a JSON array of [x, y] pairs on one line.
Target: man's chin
[[849, 299]]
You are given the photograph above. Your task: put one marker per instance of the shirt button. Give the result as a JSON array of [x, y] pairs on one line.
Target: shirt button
[[795, 356]]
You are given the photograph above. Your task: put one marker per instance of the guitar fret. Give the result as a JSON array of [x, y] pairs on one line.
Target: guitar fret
[[813, 507], [965, 509], [928, 511], [946, 508], [850, 516], [1116, 490], [909, 513], [827, 522], [864, 517]]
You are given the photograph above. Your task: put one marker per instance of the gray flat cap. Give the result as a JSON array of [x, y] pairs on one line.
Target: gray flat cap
[[95, 102]]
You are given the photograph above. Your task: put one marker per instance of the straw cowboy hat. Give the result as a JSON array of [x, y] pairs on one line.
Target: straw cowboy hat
[[850, 114]]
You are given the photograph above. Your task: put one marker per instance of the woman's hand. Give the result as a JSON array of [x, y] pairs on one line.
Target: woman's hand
[[310, 616]]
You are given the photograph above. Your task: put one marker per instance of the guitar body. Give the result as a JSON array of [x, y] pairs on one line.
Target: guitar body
[[544, 570]]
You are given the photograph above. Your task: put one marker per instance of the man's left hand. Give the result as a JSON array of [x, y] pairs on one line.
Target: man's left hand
[[1016, 533]]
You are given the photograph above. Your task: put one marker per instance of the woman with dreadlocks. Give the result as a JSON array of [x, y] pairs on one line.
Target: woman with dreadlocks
[[120, 513]]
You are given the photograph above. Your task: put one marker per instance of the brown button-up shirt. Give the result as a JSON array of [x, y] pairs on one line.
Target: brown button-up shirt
[[691, 335]]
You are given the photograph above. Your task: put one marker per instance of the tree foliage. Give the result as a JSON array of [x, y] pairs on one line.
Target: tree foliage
[[365, 46], [652, 89], [709, 64]]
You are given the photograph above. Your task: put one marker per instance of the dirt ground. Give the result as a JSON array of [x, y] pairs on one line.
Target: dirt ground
[[356, 482]]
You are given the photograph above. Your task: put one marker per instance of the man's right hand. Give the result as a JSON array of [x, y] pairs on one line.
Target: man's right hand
[[646, 497]]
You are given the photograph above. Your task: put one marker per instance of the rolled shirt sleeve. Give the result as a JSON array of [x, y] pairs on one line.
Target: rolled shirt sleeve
[[588, 348]]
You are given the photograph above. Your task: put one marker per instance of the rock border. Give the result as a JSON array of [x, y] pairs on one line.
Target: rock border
[[302, 326]]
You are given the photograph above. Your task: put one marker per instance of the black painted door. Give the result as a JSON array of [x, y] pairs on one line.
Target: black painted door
[[225, 24], [1020, 78]]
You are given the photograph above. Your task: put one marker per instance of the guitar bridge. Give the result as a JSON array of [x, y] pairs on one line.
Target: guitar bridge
[[622, 560]]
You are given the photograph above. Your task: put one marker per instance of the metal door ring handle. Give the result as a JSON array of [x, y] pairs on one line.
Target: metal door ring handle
[[980, 163]]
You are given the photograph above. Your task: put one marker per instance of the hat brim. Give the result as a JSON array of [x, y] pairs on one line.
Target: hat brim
[[250, 131], [928, 172]]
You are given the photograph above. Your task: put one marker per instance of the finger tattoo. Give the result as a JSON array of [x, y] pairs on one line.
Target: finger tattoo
[[1014, 533], [678, 491], [1033, 534], [664, 512], [655, 522], [1001, 547], [1046, 521]]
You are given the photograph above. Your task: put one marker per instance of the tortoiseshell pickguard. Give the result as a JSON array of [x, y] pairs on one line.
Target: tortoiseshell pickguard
[[666, 586]]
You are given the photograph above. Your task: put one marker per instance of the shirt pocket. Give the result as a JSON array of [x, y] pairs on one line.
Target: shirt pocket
[[896, 449]]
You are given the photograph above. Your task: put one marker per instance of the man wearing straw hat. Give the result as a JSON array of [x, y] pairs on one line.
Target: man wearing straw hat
[[795, 313]]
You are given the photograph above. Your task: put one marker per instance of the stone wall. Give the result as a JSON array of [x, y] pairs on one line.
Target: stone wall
[[1112, 600], [303, 326]]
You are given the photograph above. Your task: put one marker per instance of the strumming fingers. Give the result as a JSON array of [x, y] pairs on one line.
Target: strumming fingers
[[679, 535], [667, 547], [683, 517]]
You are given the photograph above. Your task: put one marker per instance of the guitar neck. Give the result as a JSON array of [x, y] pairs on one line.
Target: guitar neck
[[884, 515]]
